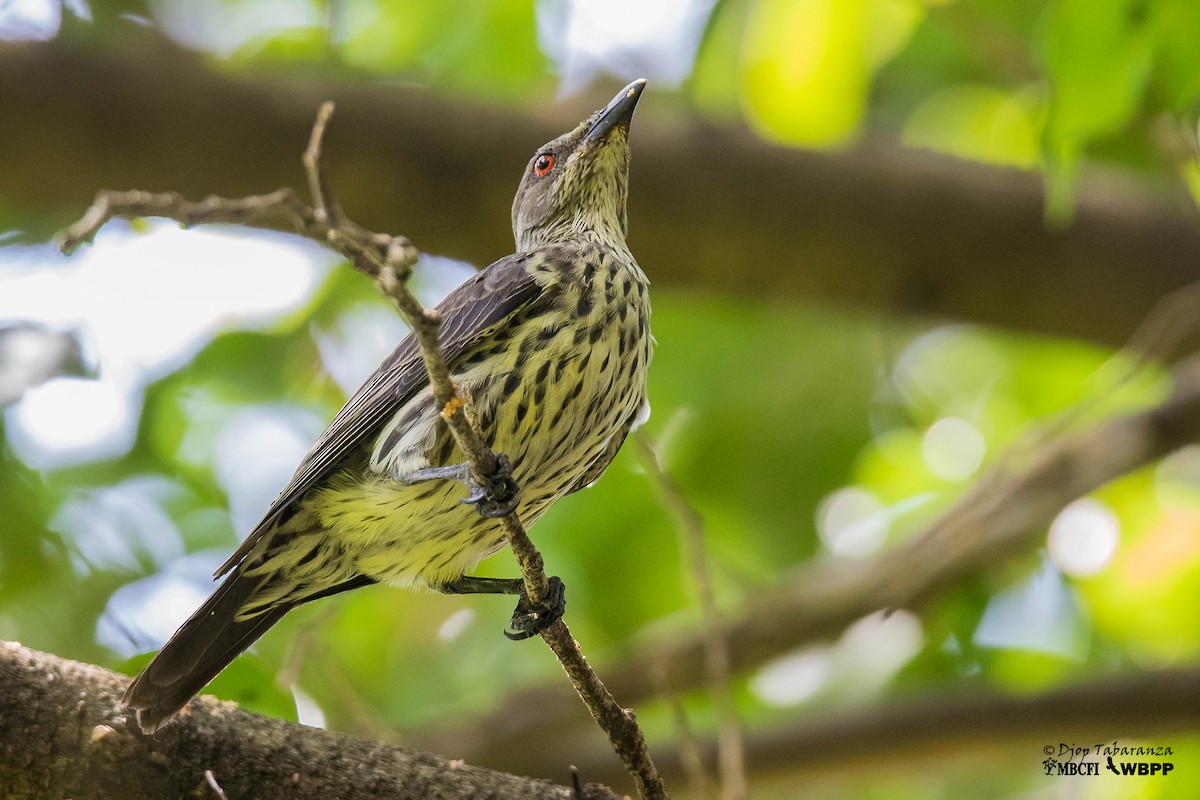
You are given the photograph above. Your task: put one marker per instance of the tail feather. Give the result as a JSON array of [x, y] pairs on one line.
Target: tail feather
[[203, 646]]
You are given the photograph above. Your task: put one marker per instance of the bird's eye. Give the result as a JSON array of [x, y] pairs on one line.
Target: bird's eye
[[543, 164]]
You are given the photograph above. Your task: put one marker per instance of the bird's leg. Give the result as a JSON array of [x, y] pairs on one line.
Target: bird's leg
[[497, 497], [469, 584], [527, 619], [458, 472]]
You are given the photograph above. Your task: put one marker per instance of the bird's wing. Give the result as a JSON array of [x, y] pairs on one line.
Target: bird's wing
[[471, 311]]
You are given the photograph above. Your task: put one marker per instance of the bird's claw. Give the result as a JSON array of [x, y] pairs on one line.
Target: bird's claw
[[529, 620], [497, 498]]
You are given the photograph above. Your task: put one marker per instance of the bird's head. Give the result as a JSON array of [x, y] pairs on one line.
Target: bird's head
[[579, 181]]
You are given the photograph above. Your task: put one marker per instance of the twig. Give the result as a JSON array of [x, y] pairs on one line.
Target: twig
[[389, 260], [1001, 519], [250, 210], [211, 780], [318, 188], [1171, 322], [731, 756], [940, 729], [619, 723], [691, 759], [391, 276]]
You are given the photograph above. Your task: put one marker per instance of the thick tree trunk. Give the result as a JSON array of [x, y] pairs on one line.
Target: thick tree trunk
[[63, 733]]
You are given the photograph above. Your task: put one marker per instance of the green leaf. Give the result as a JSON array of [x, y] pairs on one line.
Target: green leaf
[[485, 48], [980, 123], [1177, 26], [809, 64], [1099, 56]]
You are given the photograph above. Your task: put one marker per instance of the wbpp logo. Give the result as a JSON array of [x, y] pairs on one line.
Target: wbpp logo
[[1139, 767]]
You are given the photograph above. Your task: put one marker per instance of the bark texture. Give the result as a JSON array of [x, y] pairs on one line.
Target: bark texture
[[64, 733]]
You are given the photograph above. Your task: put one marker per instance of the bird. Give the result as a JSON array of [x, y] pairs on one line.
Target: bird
[[552, 345]]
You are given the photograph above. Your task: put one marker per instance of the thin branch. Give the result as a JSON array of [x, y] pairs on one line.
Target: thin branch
[[690, 757], [391, 276], [211, 780], [1171, 321], [730, 746], [389, 260], [617, 722], [318, 187], [1150, 707], [1002, 518], [251, 210]]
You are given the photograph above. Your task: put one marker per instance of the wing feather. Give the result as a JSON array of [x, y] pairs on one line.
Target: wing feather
[[481, 303]]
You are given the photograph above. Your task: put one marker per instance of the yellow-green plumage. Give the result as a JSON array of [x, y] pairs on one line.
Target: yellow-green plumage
[[552, 344], [568, 403]]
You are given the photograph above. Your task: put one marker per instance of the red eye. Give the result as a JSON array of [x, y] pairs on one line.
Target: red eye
[[543, 164]]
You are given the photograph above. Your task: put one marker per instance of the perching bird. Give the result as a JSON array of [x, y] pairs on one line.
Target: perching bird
[[552, 345]]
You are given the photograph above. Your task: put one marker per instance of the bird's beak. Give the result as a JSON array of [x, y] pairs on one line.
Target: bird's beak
[[617, 113]]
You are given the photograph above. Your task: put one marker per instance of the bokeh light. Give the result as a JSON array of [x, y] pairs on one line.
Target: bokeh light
[[166, 280], [852, 522], [1039, 614], [794, 678], [953, 448], [654, 39], [1084, 537]]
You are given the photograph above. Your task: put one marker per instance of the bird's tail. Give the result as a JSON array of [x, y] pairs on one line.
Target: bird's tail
[[215, 635], [205, 644]]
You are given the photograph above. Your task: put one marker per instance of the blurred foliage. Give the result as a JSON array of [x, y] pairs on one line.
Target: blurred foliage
[[765, 413]]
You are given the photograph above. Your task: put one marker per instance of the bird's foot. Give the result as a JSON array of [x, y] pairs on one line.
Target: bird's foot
[[497, 496], [530, 620]]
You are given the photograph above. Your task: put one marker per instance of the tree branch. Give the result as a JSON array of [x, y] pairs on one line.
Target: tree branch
[[730, 746], [389, 261], [282, 204], [877, 227], [64, 733], [932, 729], [1001, 518]]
